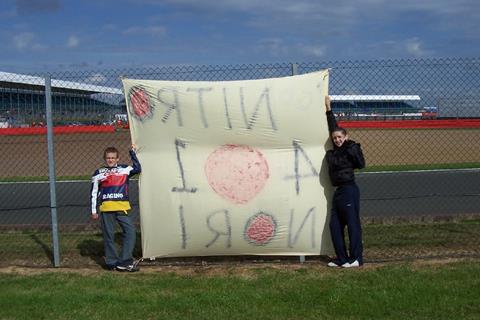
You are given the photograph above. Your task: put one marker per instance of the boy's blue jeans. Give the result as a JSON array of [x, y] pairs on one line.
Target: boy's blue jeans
[[109, 219]]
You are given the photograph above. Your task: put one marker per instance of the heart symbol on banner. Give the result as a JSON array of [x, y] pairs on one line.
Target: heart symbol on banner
[[237, 173], [260, 229], [140, 103]]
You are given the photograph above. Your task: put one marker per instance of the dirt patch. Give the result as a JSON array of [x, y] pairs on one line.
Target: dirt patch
[[75, 154], [417, 146], [243, 270], [79, 154], [25, 271]]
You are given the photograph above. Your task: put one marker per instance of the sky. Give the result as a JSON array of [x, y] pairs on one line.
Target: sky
[[56, 35]]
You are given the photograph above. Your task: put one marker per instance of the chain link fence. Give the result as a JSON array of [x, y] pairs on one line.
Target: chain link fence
[[420, 193]]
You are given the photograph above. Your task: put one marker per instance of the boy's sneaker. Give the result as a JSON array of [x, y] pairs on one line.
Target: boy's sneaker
[[110, 267], [129, 268]]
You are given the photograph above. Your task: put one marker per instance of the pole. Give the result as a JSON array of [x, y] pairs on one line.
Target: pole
[[294, 69], [51, 170]]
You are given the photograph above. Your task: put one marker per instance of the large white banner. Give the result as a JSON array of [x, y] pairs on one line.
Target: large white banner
[[232, 167]]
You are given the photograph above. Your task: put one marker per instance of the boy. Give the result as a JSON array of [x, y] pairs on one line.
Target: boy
[[110, 192]]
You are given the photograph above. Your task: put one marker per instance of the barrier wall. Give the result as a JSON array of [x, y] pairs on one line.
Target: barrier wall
[[412, 124], [56, 130], [367, 124]]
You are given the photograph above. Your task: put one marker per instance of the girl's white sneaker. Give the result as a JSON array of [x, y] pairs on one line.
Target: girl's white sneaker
[[354, 264]]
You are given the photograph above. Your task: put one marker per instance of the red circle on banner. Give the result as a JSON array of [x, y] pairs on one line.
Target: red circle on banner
[[140, 103], [260, 229], [236, 172]]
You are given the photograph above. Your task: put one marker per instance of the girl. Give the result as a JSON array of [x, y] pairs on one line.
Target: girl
[[342, 160]]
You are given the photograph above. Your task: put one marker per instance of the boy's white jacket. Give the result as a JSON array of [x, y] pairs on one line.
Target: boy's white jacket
[[110, 187]]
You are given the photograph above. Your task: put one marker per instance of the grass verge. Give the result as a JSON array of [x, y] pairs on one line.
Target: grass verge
[[402, 291], [382, 242]]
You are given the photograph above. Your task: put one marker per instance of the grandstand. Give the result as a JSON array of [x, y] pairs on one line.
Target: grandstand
[[382, 107], [22, 101]]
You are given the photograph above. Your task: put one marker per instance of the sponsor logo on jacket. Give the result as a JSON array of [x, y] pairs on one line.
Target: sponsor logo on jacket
[[112, 196]]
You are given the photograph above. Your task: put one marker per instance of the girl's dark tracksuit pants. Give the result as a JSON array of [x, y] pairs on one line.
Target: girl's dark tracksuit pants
[[346, 212]]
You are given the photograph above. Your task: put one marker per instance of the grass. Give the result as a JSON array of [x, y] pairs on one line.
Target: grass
[[397, 241], [401, 291], [382, 242], [437, 234]]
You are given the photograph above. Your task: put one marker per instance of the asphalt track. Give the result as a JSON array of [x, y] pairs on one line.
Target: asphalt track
[[383, 195]]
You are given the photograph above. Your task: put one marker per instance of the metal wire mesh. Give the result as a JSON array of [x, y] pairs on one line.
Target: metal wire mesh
[[420, 191]]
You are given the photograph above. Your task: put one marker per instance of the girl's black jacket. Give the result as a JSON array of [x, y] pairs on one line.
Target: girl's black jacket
[[343, 160]]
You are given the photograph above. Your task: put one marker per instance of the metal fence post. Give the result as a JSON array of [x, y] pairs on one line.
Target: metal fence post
[[295, 72], [51, 170], [294, 69]]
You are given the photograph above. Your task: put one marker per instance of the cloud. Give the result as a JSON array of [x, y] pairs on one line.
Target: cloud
[[319, 8], [110, 27], [314, 51], [154, 31], [33, 6], [274, 47], [414, 47], [438, 7], [411, 47], [278, 48], [96, 78], [80, 65], [23, 40], [27, 41], [321, 16], [10, 13], [73, 41]]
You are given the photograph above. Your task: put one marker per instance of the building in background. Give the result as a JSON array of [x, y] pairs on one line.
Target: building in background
[[22, 104], [22, 101], [380, 107]]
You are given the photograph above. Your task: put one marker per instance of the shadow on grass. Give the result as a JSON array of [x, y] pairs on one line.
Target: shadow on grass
[[93, 249], [45, 247]]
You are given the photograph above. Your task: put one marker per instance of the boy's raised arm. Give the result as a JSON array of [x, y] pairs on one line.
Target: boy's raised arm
[[137, 168]]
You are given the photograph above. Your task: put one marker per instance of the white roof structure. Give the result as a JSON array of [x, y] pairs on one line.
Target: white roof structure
[[370, 98], [62, 84], [40, 81]]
